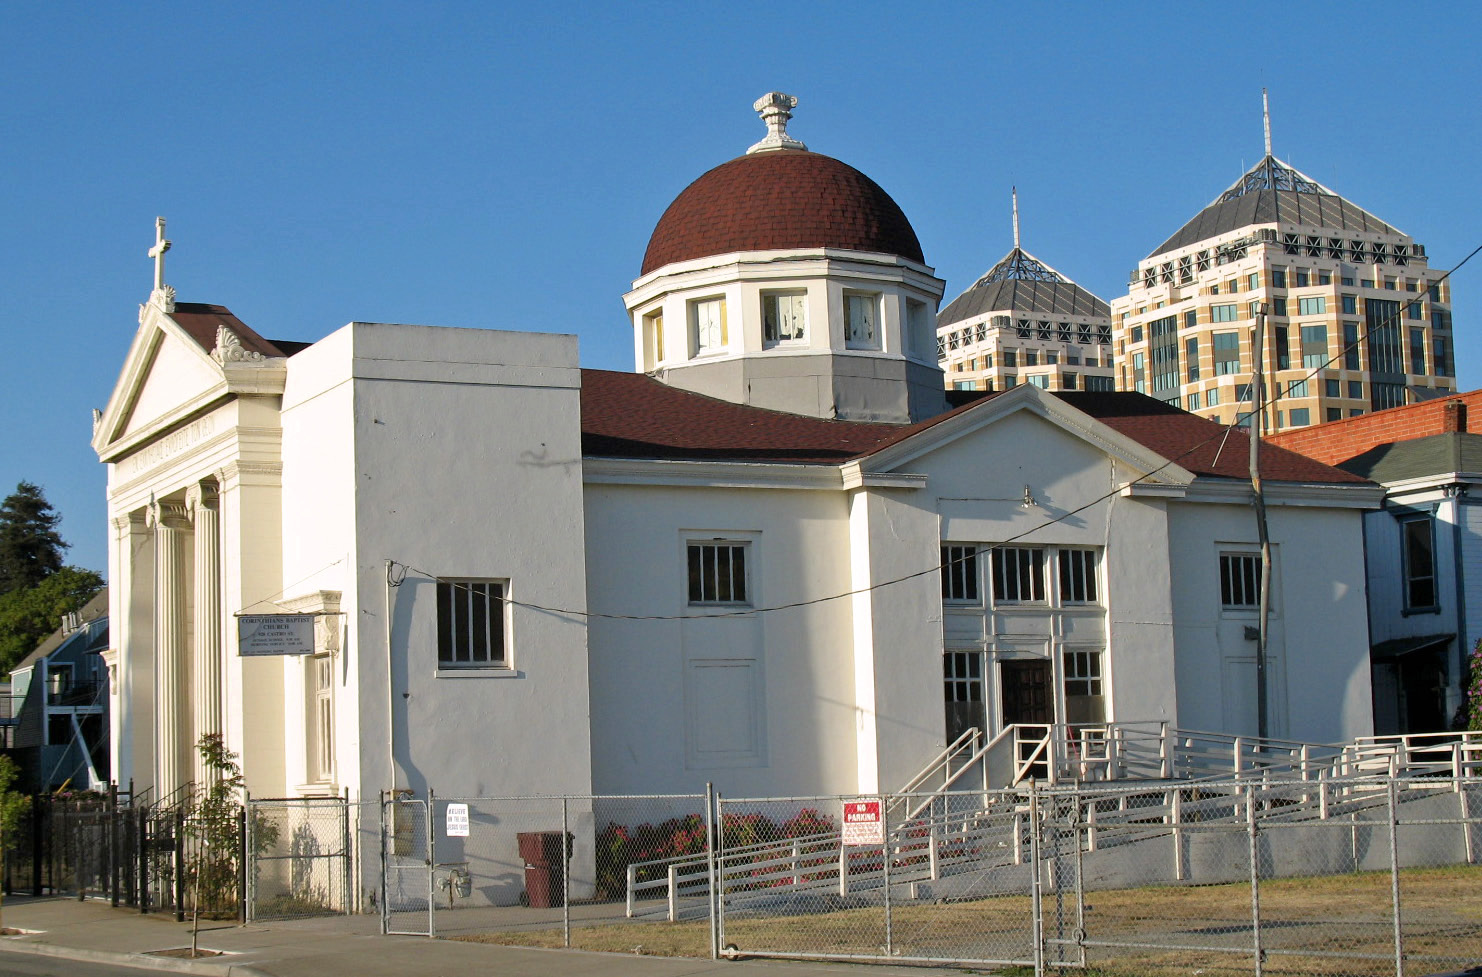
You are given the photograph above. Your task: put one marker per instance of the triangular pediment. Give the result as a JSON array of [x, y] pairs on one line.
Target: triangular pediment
[[176, 375], [978, 423]]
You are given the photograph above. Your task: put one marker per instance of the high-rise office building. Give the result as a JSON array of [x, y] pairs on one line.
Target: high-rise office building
[[1356, 319], [1024, 322]]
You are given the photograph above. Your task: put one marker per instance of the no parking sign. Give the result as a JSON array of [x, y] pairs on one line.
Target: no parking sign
[[863, 824]]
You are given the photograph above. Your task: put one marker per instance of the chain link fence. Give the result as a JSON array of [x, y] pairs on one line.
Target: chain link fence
[[1363, 876], [302, 858]]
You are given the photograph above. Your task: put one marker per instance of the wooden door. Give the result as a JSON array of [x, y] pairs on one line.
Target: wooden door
[[1027, 695]]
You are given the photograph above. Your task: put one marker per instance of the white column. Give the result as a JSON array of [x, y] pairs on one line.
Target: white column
[[201, 501], [171, 723]]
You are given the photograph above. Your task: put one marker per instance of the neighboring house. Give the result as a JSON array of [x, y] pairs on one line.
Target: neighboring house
[[60, 697], [1423, 550], [776, 561]]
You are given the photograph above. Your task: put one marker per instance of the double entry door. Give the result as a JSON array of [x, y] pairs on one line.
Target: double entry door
[[1025, 684]]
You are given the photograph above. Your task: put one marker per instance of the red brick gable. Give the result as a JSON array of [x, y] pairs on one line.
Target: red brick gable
[[1338, 441], [778, 200]]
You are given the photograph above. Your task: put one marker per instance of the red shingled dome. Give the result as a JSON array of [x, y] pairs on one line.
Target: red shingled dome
[[776, 200]]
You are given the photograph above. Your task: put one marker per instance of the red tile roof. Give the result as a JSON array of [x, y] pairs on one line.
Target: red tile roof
[[201, 320], [630, 415], [779, 200]]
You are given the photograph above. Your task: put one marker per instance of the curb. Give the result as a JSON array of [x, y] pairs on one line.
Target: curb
[[140, 960]]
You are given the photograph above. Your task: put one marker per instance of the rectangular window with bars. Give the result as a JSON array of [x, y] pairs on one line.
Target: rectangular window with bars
[[1019, 575], [717, 572], [1077, 576], [1240, 580], [960, 574], [470, 624]]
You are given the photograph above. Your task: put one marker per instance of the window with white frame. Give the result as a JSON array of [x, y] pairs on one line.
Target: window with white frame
[[1240, 580], [1018, 575], [960, 574], [919, 331], [861, 319], [708, 325], [1085, 700], [653, 338], [1417, 540], [471, 624], [784, 317], [1077, 576], [717, 572], [321, 722]]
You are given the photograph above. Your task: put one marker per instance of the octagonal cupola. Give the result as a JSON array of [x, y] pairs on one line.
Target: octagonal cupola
[[790, 280]]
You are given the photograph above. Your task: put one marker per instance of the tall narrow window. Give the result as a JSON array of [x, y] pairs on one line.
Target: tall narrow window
[[708, 325], [1084, 698], [1418, 539], [960, 574], [323, 718], [653, 336], [918, 329], [962, 692], [861, 314], [470, 624], [1018, 574], [784, 317]]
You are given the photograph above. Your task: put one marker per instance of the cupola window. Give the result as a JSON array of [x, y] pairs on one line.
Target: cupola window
[[784, 317], [861, 315], [708, 325]]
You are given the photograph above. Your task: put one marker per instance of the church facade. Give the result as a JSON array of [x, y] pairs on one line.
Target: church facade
[[775, 558]]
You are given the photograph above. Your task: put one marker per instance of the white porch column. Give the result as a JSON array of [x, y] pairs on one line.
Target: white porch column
[[171, 723], [202, 502]]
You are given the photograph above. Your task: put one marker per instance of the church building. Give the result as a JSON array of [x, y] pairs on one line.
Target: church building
[[778, 556]]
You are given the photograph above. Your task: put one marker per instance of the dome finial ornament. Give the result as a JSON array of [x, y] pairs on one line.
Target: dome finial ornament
[[775, 109]]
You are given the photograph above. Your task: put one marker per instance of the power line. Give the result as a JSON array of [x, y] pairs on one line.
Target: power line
[[1222, 436]]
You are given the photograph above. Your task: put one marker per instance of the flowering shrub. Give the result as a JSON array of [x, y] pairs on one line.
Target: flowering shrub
[[1474, 689], [619, 846]]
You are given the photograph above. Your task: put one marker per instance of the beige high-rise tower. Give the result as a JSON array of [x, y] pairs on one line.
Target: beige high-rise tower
[[1357, 319]]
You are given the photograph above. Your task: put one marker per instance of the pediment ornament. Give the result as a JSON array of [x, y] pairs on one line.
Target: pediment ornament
[[229, 348]]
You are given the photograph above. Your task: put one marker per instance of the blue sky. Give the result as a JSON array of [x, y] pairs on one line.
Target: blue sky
[[502, 165]]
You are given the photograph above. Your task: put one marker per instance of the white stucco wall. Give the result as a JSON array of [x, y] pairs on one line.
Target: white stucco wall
[[651, 731], [468, 466], [1318, 645]]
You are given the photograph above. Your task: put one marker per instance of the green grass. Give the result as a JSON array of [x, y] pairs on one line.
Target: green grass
[[1302, 919]]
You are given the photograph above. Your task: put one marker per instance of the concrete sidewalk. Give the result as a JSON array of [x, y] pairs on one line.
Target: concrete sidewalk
[[339, 947]]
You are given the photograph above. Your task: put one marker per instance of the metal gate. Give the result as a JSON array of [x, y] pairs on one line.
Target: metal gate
[[300, 863], [406, 865]]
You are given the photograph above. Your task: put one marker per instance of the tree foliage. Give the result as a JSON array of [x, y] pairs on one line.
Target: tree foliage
[[27, 616], [30, 546]]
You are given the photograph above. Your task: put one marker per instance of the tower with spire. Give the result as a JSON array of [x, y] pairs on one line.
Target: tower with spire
[[1355, 319], [1025, 322]]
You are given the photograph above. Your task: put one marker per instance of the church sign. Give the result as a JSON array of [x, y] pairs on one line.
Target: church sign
[[275, 634]]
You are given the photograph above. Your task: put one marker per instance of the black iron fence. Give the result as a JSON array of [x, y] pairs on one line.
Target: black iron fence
[[153, 857]]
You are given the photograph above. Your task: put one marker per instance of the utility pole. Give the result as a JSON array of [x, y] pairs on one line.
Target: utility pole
[[1257, 427]]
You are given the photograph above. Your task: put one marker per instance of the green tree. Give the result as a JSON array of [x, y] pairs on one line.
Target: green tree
[[30, 546], [27, 616]]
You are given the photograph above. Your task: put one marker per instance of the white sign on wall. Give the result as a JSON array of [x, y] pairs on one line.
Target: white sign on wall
[[275, 634], [457, 821], [863, 824]]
